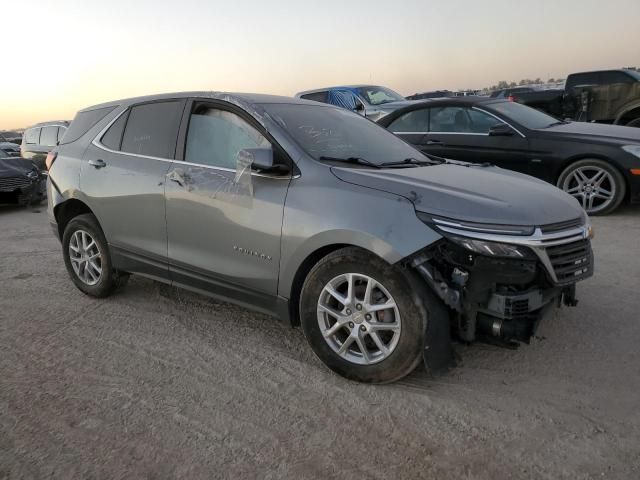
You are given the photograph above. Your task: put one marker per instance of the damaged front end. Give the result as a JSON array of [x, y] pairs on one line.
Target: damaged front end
[[500, 281]]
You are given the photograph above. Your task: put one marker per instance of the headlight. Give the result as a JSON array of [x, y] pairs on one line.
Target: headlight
[[632, 149], [492, 249]]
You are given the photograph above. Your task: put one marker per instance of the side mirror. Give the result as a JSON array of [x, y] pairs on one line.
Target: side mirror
[[359, 107], [501, 130], [258, 158]]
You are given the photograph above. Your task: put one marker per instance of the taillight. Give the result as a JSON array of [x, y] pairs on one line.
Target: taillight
[[511, 98], [51, 157]]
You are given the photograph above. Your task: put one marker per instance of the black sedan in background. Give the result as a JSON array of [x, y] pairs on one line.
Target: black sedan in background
[[598, 164], [20, 181]]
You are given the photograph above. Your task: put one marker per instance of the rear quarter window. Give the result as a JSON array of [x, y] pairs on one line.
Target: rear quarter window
[[316, 97], [83, 122], [152, 129]]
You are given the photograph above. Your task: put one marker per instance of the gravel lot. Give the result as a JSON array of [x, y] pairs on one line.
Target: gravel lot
[[160, 383]]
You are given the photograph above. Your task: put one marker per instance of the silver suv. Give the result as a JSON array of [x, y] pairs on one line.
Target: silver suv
[[317, 216]]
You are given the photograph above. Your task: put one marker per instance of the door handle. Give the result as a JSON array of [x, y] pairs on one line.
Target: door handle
[[434, 142], [97, 163]]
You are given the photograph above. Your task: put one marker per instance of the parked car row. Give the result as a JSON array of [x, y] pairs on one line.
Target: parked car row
[[314, 214]]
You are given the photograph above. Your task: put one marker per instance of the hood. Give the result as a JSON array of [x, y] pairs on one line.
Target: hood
[[471, 193], [595, 132], [14, 167]]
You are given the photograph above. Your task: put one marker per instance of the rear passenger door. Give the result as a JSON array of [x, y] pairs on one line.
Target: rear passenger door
[[412, 126], [124, 177]]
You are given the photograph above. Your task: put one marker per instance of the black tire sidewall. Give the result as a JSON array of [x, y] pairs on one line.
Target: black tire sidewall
[[407, 353], [615, 174], [89, 224]]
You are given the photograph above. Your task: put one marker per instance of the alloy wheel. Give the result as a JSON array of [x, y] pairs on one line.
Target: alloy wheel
[[593, 186], [85, 257], [358, 318]]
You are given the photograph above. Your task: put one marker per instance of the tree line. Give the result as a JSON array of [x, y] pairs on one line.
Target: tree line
[[538, 81]]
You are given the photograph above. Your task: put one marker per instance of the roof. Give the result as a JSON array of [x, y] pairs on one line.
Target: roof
[[251, 98], [350, 87]]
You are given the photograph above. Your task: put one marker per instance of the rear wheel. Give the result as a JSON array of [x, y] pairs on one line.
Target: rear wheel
[[360, 317], [598, 186], [634, 123], [87, 258]]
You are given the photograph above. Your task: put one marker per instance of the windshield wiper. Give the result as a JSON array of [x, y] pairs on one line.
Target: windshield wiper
[[555, 124], [356, 160], [414, 162]]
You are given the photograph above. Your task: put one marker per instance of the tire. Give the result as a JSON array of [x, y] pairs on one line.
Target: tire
[[84, 229], [596, 184], [634, 123], [403, 344]]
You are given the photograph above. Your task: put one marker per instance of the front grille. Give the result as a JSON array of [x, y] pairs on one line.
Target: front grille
[[558, 227], [10, 184], [572, 261], [515, 308]]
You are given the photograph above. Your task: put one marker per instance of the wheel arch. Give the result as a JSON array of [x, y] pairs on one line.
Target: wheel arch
[[630, 112], [301, 274], [65, 211]]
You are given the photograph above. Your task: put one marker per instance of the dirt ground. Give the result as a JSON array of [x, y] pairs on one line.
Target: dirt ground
[[159, 383]]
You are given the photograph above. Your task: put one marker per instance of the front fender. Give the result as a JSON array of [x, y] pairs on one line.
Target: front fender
[[382, 223]]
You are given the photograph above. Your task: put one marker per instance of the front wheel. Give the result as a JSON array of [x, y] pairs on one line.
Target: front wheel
[[597, 185], [360, 317]]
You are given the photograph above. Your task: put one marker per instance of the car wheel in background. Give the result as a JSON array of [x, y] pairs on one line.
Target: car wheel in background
[[87, 258], [634, 123], [598, 186], [360, 317]]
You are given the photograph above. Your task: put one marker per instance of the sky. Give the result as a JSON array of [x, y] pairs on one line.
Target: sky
[[64, 55]]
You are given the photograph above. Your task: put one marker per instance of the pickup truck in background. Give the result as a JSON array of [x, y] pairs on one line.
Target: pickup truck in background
[[607, 96]]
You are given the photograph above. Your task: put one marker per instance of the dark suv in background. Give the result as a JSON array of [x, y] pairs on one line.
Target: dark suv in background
[[39, 140]]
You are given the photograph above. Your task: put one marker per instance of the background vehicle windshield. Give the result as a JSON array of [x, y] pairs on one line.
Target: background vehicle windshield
[[526, 116], [379, 95], [634, 74], [324, 131]]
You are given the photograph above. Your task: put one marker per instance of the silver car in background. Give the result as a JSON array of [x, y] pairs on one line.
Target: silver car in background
[[371, 101], [319, 217]]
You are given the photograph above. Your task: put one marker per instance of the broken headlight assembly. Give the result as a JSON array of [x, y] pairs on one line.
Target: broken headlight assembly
[[480, 246], [492, 249]]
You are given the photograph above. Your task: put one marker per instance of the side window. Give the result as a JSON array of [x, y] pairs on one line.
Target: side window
[[61, 132], [416, 121], [49, 136], [152, 129], [448, 119], [216, 136], [316, 97], [32, 136], [112, 138], [616, 77], [582, 79], [343, 98], [480, 122]]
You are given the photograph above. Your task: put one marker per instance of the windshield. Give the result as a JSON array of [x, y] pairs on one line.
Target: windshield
[[635, 74], [324, 131], [379, 95], [526, 116]]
